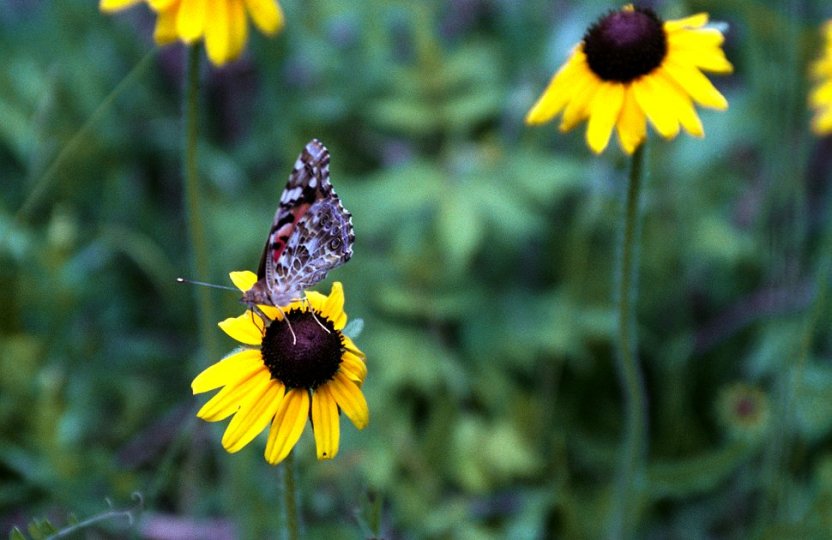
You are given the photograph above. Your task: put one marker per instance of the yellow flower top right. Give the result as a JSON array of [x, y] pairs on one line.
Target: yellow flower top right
[[821, 97], [632, 67]]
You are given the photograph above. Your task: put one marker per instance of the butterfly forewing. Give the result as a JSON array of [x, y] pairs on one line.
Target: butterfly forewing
[[311, 233]]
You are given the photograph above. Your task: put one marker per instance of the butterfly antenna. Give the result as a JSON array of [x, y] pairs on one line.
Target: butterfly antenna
[[204, 284]]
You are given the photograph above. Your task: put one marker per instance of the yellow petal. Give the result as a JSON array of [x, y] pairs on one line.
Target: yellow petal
[[353, 367], [560, 89], [227, 401], [632, 124], [350, 399], [227, 371], [109, 6], [165, 31], [822, 122], [287, 425], [333, 307], [226, 31], [578, 107], [821, 95], [243, 280], [254, 415], [701, 49], [238, 27], [651, 96], [190, 22], [266, 14], [246, 328], [605, 109], [325, 423], [217, 31], [162, 5], [679, 101], [315, 300], [696, 85]]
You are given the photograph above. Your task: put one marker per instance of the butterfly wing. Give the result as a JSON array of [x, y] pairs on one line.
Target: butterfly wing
[[323, 241], [311, 233]]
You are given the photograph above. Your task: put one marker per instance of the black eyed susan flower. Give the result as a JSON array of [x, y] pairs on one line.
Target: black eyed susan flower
[[631, 67], [223, 23], [284, 375], [821, 97]]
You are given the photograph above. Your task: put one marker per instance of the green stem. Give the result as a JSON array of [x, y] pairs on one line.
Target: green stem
[[45, 181], [193, 209], [630, 474], [290, 497]]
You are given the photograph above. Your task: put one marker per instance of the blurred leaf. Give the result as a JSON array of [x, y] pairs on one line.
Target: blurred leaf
[[812, 388], [695, 475]]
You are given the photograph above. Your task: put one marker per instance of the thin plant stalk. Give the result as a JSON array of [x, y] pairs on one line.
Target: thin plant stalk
[[193, 207], [631, 468], [290, 497]]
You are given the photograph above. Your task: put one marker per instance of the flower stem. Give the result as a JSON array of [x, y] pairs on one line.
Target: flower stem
[[630, 474], [193, 203], [290, 497]]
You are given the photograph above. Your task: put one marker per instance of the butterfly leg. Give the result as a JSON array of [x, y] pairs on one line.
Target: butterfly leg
[[317, 320], [265, 318], [254, 309]]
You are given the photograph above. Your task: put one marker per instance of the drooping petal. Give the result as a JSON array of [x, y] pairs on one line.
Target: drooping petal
[[578, 107], [266, 14], [165, 30], [244, 328], [632, 124], [238, 28], [605, 110], [287, 425], [227, 401], [350, 399], [228, 371], [325, 421], [254, 415], [696, 85], [560, 89], [217, 31], [682, 104], [700, 49], [651, 97], [190, 22]]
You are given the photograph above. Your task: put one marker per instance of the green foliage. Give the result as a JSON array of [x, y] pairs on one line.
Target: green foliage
[[483, 274]]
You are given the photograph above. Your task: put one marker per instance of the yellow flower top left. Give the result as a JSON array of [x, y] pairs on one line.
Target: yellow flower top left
[[223, 23]]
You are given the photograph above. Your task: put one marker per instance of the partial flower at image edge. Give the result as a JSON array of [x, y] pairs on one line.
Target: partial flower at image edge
[[223, 24]]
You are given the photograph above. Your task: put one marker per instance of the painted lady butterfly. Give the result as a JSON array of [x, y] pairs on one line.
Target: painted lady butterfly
[[311, 233]]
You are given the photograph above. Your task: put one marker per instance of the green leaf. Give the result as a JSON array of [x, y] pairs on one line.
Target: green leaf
[[812, 390], [460, 229]]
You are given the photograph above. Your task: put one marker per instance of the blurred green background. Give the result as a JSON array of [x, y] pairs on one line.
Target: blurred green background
[[483, 271]]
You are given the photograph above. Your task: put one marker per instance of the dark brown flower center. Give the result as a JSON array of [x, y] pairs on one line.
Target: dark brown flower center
[[309, 361], [626, 44]]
